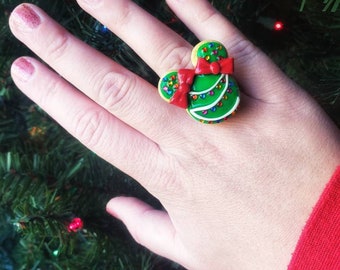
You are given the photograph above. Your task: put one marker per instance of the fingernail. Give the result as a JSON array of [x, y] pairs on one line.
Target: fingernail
[[22, 69], [25, 14]]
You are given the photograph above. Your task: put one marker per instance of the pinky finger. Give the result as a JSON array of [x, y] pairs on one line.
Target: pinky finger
[[92, 125]]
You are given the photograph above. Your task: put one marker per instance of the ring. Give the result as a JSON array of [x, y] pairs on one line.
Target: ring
[[208, 92]]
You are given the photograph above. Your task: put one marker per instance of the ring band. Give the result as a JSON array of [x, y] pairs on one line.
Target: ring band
[[208, 92]]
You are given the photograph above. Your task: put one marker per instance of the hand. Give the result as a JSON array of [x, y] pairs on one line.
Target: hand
[[236, 194]]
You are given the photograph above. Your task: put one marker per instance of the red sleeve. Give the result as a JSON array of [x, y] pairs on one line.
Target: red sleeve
[[319, 245]]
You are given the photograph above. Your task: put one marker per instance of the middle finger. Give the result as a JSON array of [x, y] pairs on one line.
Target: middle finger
[[160, 47]]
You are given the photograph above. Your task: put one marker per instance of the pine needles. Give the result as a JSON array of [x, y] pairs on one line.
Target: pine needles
[[47, 178]]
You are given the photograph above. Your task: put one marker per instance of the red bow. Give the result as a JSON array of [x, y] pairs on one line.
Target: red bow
[[224, 66], [185, 80], [186, 77]]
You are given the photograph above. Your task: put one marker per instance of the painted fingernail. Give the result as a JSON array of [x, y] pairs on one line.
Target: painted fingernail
[[25, 14], [22, 69]]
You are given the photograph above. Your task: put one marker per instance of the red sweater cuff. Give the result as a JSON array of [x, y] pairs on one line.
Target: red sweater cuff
[[319, 245]]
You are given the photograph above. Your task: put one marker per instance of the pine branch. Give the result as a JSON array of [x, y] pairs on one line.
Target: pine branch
[[330, 5], [47, 178]]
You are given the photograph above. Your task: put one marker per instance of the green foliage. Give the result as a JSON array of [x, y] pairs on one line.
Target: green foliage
[[306, 49], [330, 5], [47, 178], [41, 195]]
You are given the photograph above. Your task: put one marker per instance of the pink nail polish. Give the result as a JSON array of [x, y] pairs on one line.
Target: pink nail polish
[[22, 69], [28, 16]]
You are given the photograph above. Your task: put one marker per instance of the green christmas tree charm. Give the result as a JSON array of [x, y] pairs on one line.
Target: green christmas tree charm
[[209, 93]]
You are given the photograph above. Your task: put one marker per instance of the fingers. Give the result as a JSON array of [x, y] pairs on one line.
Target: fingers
[[160, 47], [149, 227], [96, 128], [258, 75], [119, 91], [163, 50]]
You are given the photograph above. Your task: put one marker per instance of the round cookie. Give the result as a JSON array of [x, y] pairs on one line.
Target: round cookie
[[209, 50]]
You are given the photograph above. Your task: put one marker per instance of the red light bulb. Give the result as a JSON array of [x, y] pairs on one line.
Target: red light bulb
[[278, 26], [75, 225]]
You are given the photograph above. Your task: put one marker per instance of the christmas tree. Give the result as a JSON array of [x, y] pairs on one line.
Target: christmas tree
[[53, 191]]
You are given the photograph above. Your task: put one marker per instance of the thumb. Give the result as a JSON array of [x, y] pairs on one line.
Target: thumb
[[149, 227]]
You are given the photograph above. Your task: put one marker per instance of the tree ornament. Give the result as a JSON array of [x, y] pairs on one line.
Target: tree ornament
[[75, 225]]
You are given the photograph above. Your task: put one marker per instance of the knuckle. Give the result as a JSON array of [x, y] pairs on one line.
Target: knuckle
[[58, 44], [113, 90], [206, 16], [124, 15], [90, 127], [244, 50], [50, 89], [174, 57]]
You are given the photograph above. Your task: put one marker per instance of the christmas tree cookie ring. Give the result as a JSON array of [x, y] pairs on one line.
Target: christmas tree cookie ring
[[208, 92]]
